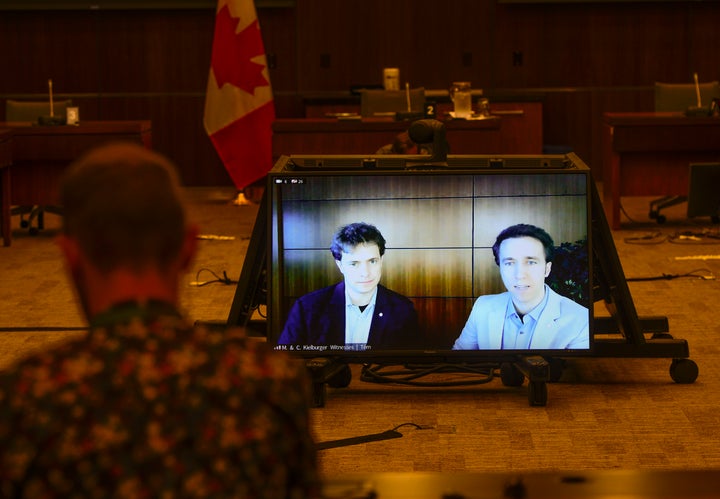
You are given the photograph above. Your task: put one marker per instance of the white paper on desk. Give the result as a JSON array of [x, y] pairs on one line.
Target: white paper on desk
[[469, 118]]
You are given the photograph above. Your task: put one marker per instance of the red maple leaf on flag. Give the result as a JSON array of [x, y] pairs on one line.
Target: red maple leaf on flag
[[232, 53]]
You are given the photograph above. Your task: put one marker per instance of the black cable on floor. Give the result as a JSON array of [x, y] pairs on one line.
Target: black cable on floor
[[654, 238], [218, 279], [409, 375], [668, 277], [690, 237], [622, 210]]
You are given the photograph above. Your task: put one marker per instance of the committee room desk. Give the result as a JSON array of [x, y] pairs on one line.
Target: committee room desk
[[495, 135], [606, 484], [648, 154], [40, 154], [5, 161]]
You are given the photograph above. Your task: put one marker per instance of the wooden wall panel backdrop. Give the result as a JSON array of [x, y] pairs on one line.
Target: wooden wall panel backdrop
[[581, 58]]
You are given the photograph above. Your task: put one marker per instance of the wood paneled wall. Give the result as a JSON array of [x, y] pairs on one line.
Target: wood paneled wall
[[582, 58]]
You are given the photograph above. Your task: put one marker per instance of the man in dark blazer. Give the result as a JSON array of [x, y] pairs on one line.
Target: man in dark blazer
[[358, 313]]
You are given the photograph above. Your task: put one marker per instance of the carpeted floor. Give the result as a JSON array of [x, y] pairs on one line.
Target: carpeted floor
[[603, 413]]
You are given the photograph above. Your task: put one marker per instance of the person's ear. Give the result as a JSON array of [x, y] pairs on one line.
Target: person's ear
[[548, 266]]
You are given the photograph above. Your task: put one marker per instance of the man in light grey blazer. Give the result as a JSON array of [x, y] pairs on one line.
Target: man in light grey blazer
[[529, 315]]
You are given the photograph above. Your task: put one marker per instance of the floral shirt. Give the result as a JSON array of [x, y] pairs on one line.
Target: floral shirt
[[149, 406]]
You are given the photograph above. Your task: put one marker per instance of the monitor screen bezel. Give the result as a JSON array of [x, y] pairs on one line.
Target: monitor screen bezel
[[287, 169]]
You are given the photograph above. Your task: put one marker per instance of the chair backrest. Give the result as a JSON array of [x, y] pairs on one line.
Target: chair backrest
[[374, 102], [703, 194], [31, 111], [670, 97]]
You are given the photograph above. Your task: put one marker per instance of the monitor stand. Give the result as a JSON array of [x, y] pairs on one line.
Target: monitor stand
[[335, 372]]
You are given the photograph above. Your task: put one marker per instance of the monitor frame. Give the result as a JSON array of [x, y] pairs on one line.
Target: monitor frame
[[468, 166]]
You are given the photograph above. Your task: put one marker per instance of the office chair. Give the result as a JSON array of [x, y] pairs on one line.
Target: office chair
[[387, 102], [30, 112], [678, 97], [703, 194]]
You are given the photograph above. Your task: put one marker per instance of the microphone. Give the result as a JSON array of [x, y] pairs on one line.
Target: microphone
[[698, 110], [428, 131], [51, 120]]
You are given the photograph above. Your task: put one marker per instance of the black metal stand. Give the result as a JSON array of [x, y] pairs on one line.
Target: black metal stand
[[324, 372], [251, 290], [623, 333], [536, 370], [335, 372], [620, 335]]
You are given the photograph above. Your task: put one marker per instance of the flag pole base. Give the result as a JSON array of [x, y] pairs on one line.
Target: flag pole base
[[241, 200]]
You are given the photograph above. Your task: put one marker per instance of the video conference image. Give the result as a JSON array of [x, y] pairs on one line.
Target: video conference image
[[447, 262]]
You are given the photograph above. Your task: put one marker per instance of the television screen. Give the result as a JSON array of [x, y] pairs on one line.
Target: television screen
[[368, 259]]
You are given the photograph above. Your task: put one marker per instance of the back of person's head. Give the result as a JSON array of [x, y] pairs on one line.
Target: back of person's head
[[349, 236], [122, 203], [403, 144], [525, 230]]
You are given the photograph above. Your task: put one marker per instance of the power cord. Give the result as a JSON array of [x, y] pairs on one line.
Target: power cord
[[654, 238], [483, 373], [689, 237], [668, 277], [223, 280], [622, 210]]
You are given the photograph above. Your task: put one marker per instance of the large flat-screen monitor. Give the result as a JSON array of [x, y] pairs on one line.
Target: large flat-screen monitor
[[441, 294]]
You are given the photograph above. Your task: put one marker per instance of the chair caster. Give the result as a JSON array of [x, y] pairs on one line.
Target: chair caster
[[655, 215], [684, 371], [340, 379], [510, 375], [661, 219]]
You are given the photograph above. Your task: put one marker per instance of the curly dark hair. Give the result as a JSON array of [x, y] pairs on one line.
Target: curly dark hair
[[349, 236]]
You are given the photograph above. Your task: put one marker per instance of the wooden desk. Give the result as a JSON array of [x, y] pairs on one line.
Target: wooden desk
[[603, 484], [40, 154], [5, 162], [331, 136], [648, 154], [521, 128]]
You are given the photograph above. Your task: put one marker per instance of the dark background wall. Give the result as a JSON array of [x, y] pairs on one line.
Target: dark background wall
[[581, 58]]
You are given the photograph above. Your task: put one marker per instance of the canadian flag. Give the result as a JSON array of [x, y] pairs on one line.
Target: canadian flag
[[239, 109]]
